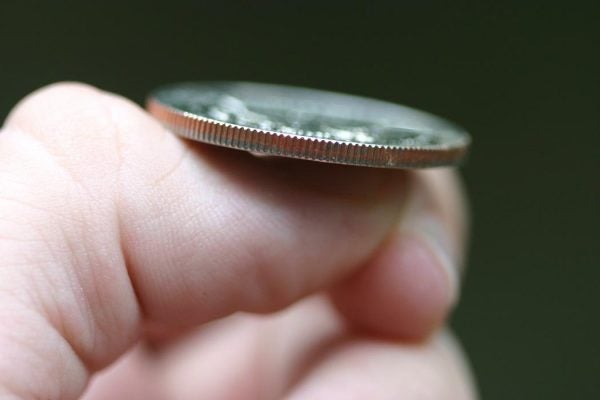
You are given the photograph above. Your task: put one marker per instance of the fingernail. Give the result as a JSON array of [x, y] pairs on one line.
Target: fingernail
[[435, 237]]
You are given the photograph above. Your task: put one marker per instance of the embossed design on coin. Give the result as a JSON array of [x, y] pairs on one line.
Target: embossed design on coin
[[308, 124]]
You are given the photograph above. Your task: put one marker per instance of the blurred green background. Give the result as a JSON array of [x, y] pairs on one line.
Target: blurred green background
[[522, 77]]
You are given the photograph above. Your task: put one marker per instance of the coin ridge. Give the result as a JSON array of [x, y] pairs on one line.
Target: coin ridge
[[226, 134]]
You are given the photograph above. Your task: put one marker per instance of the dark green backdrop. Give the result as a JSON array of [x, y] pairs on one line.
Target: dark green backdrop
[[523, 78]]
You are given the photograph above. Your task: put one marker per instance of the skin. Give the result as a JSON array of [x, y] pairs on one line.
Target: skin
[[134, 264]]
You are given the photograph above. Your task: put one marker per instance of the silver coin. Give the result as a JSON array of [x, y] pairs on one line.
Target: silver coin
[[309, 124]]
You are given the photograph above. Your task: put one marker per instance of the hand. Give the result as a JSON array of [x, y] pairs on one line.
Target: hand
[[214, 274]]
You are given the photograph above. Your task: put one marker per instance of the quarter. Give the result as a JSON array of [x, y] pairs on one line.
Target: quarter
[[308, 124]]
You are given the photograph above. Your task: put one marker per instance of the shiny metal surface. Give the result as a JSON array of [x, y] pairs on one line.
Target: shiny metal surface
[[308, 124]]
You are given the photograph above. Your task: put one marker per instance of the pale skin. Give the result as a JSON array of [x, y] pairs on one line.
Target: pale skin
[[137, 265]]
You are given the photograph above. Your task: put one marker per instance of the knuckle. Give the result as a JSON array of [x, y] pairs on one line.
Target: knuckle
[[53, 100], [74, 125], [57, 206], [59, 112]]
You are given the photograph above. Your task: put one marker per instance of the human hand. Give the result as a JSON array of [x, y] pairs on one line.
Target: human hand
[[214, 274]]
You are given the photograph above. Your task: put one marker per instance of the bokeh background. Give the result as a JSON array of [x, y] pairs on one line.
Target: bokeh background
[[522, 77]]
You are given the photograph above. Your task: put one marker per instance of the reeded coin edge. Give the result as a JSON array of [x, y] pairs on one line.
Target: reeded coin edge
[[207, 130]]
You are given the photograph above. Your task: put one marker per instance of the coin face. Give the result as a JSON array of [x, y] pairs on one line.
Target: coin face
[[308, 124]]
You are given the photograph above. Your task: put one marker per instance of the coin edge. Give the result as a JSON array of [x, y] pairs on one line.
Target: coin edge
[[206, 130]]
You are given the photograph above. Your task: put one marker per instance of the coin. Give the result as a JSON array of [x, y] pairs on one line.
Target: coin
[[308, 124]]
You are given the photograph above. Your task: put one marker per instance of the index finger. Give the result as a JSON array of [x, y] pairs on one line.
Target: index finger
[[108, 221]]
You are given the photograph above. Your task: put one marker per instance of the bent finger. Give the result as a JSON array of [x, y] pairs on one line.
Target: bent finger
[[361, 368], [301, 352]]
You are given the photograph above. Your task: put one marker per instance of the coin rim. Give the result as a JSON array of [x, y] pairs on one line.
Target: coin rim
[[207, 130]]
